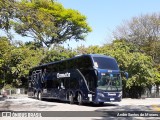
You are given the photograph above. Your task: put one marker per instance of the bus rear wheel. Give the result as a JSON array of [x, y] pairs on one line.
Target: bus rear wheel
[[39, 96], [79, 98], [71, 100], [35, 95]]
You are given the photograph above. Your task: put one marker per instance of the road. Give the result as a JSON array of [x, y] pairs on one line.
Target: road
[[23, 103]]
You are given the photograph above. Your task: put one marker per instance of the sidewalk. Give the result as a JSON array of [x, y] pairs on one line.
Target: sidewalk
[[146, 101], [14, 96]]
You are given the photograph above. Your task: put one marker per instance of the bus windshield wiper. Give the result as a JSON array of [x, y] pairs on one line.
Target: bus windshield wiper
[[108, 84]]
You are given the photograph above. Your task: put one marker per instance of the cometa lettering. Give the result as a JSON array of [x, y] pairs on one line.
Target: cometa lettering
[[63, 75]]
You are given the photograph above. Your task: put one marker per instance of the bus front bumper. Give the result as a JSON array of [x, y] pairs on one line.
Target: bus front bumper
[[108, 97]]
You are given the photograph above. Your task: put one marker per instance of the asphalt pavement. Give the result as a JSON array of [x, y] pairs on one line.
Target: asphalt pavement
[[23, 103]]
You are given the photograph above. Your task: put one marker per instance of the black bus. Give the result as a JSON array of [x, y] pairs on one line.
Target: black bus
[[85, 78]]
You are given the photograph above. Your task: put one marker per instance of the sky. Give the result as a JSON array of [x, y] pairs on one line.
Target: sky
[[105, 15]]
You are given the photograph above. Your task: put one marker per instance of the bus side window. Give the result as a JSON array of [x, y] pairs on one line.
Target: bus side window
[[87, 62], [74, 83], [62, 66], [55, 68], [91, 80], [70, 64], [66, 83], [62, 86], [49, 83], [55, 83], [84, 62]]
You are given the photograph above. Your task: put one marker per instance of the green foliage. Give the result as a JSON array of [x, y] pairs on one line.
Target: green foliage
[[141, 70], [23, 59], [90, 50], [4, 56], [47, 22], [7, 86], [56, 54], [139, 66], [143, 32], [6, 12], [15, 61]]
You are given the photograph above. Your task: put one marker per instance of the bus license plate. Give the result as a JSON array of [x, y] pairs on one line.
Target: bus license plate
[[111, 99]]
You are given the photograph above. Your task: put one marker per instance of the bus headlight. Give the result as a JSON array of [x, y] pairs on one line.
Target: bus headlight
[[101, 95], [120, 94]]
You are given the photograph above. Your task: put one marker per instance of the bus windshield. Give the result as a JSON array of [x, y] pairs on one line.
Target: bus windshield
[[110, 82], [105, 63]]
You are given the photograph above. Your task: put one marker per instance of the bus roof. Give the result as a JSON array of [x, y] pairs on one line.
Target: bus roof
[[77, 56]]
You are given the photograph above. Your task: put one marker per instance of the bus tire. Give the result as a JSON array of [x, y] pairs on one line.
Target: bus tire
[[71, 99], [39, 96], [35, 95], [79, 99]]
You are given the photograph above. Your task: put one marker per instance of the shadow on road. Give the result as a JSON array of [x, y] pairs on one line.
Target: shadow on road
[[98, 105], [2, 98], [84, 104], [6, 104], [112, 113]]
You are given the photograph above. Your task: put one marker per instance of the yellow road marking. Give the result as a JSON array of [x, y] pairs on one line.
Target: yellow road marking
[[157, 108]]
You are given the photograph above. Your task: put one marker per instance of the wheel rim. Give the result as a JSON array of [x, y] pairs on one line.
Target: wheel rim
[[39, 96], [79, 99], [71, 98], [35, 95]]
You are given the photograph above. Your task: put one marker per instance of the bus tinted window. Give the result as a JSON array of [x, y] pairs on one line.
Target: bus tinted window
[[62, 66], [70, 64], [84, 62], [49, 83], [74, 83], [105, 63]]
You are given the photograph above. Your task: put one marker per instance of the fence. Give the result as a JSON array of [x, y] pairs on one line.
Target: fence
[[14, 91], [153, 92]]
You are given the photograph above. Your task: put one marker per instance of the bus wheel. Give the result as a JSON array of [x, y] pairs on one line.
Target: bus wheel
[[71, 101], [79, 98], [35, 95], [39, 96]]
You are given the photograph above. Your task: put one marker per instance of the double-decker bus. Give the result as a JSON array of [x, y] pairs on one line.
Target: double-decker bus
[[85, 78]]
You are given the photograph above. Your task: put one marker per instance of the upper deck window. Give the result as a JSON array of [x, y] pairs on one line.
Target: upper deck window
[[105, 63]]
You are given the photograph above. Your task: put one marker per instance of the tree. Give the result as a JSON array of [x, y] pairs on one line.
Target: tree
[[56, 54], [142, 73], [6, 15], [144, 32], [22, 59], [15, 62], [46, 21], [5, 49]]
